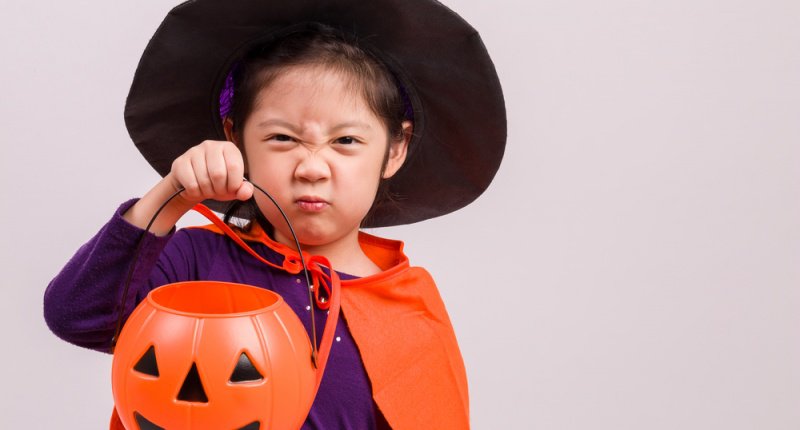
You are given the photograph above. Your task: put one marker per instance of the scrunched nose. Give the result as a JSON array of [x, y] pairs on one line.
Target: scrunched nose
[[312, 168]]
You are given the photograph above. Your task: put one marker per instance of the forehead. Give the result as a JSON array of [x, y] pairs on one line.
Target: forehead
[[317, 90], [314, 78]]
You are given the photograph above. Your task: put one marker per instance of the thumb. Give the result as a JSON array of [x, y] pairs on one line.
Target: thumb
[[245, 191]]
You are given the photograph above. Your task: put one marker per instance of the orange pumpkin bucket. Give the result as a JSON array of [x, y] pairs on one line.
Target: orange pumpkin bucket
[[217, 355]]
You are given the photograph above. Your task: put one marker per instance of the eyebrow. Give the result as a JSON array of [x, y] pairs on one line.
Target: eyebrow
[[295, 129], [278, 122], [351, 124]]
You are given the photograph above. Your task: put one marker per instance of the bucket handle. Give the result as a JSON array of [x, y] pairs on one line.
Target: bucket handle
[[318, 359]]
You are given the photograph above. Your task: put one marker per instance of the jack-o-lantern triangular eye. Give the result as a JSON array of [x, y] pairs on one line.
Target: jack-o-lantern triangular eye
[[255, 425], [245, 371], [148, 364]]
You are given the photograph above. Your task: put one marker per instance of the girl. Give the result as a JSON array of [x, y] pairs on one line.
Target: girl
[[348, 121]]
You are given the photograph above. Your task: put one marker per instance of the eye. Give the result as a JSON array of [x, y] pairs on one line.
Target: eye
[[282, 138], [245, 371], [147, 364], [346, 140]]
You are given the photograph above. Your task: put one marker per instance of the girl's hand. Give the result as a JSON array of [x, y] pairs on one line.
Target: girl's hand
[[211, 170]]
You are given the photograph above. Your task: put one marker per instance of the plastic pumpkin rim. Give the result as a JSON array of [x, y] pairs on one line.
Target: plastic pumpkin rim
[[279, 300]]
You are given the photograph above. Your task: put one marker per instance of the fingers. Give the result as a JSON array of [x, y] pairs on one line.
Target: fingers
[[201, 182], [211, 170], [216, 171], [234, 164]]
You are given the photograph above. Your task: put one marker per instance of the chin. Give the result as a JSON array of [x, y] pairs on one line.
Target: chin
[[311, 240], [313, 234], [310, 235]]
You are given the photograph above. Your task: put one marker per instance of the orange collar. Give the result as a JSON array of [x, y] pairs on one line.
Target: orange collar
[[387, 254]]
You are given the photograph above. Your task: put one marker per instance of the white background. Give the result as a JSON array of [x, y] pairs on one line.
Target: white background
[[635, 264]]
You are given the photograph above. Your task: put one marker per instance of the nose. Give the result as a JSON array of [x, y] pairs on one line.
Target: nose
[[312, 167], [192, 389]]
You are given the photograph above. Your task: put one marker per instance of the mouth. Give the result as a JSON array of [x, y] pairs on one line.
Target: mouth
[[311, 203], [145, 424]]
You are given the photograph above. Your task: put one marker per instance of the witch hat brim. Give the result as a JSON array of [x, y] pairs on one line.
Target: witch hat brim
[[440, 60]]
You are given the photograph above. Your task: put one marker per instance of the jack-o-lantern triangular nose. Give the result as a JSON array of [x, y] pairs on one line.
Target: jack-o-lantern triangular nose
[[192, 389]]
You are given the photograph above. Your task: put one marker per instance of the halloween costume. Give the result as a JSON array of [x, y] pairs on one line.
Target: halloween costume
[[439, 61], [394, 323], [408, 349]]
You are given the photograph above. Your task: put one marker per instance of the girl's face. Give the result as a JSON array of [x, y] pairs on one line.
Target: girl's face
[[314, 144]]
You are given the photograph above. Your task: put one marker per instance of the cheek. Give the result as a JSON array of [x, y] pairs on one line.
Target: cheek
[[361, 174], [267, 169]]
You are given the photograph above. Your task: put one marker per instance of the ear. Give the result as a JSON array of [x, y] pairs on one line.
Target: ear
[[231, 136], [398, 151], [227, 126]]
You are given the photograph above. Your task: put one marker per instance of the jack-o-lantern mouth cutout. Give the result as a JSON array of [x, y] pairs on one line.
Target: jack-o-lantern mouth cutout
[[145, 424]]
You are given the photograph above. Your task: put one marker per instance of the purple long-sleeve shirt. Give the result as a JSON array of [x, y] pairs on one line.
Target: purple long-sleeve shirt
[[80, 303]]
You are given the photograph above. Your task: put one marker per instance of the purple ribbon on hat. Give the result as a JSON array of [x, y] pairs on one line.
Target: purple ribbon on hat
[[226, 96]]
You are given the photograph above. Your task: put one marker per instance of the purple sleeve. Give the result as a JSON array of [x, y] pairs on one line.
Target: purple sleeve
[[80, 302]]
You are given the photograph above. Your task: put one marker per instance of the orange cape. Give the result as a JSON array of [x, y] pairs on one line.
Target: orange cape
[[405, 337]]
